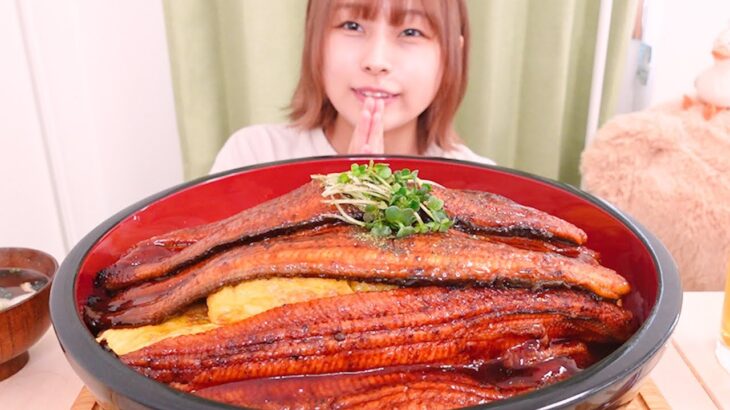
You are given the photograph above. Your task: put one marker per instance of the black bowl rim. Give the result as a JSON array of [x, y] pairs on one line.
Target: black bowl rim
[[79, 344], [43, 288]]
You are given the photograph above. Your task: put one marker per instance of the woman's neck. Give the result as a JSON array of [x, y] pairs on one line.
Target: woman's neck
[[398, 141]]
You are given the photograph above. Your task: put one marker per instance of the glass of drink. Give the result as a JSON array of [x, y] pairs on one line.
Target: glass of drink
[[723, 345]]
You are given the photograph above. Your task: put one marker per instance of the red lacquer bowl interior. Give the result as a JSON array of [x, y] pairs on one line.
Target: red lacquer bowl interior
[[620, 247]]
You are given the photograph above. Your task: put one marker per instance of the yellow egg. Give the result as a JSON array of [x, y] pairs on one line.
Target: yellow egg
[[246, 299], [122, 341], [232, 304]]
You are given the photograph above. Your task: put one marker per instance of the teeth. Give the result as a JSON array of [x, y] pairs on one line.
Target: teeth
[[375, 94]]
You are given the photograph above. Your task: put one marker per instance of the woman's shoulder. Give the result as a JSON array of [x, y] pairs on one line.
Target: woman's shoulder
[[261, 133], [458, 151], [267, 143]]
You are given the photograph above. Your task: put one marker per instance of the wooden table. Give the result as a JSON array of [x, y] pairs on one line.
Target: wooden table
[[688, 376]]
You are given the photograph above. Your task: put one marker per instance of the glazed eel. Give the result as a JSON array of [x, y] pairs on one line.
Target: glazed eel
[[355, 332], [302, 209], [415, 387], [453, 258]]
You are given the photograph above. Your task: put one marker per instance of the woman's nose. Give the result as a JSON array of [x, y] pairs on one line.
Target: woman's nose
[[376, 59]]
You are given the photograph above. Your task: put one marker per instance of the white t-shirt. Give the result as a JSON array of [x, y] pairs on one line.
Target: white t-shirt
[[276, 142]]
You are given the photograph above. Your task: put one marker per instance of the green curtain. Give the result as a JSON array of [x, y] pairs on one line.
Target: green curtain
[[236, 63]]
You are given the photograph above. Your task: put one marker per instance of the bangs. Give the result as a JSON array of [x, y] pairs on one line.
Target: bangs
[[398, 12]]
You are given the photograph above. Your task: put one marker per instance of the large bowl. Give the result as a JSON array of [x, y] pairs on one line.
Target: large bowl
[[626, 247]]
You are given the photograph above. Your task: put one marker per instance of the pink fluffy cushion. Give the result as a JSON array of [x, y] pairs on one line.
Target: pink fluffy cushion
[[670, 169]]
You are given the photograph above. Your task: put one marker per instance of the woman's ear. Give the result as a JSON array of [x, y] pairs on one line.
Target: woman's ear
[[461, 42]]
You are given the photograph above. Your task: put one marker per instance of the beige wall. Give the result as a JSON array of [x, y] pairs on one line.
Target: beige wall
[[88, 123], [684, 36]]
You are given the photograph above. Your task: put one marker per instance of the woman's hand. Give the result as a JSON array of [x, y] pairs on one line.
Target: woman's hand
[[368, 135]]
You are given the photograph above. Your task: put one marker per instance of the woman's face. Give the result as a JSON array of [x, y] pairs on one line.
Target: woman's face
[[400, 64]]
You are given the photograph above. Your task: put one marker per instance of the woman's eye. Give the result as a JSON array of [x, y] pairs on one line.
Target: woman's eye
[[351, 25], [412, 32]]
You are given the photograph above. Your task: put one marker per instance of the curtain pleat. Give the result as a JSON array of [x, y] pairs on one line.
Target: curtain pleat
[[234, 63]]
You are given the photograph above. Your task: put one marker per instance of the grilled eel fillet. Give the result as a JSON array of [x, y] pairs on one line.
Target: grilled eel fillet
[[408, 326], [303, 208], [345, 252], [432, 390], [408, 387]]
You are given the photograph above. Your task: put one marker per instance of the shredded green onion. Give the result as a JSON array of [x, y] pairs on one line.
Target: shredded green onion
[[392, 203]]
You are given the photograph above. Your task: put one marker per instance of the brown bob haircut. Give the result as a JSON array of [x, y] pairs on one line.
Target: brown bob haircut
[[310, 107]]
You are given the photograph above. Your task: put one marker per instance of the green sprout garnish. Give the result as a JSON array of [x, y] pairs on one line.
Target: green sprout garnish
[[391, 202]]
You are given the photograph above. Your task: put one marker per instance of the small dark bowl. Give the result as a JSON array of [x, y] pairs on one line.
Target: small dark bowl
[[632, 251], [28, 320]]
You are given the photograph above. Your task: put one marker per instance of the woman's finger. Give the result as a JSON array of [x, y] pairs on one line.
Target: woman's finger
[[362, 128], [376, 138]]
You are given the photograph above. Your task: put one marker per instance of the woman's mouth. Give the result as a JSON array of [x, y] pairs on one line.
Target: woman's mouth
[[363, 93]]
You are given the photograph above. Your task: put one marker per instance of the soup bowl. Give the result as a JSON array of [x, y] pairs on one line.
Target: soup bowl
[[27, 320], [623, 244]]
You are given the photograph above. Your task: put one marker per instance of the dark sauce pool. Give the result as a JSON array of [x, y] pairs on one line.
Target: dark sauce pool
[[18, 284]]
